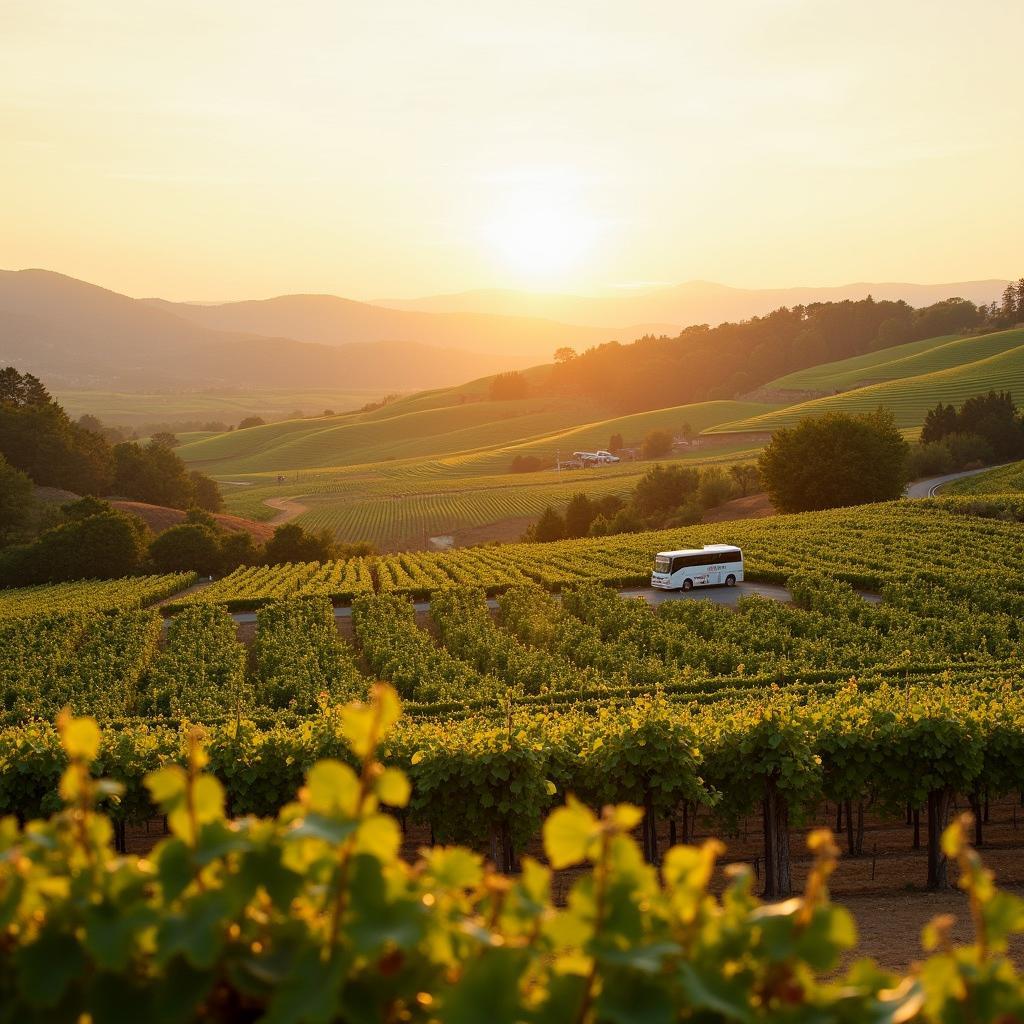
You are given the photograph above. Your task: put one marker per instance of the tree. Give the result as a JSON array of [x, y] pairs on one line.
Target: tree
[[291, 543], [663, 488], [508, 387], [835, 460], [237, 548], [657, 443], [939, 422], [165, 439], [17, 504], [107, 545], [206, 492], [686, 431], [745, 476], [579, 514], [715, 488], [549, 527], [565, 354], [251, 421], [189, 547], [616, 444], [527, 464], [153, 474]]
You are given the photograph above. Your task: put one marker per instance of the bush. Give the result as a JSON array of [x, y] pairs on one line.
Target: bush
[[835, 460], [969, 451], [715, 488], [663, 488], [190, 547], [17, 503], [104, 546], [933, 458], [527, 464], [507, 387], [291, 543], [657, 443]]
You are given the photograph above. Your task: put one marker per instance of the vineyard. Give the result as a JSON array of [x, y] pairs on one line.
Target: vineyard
[[526, 678], [91, 595], [312, 915]]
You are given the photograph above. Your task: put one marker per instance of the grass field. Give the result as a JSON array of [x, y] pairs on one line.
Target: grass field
[[911, 397], [437, 463], [910, 360], [131, 410]]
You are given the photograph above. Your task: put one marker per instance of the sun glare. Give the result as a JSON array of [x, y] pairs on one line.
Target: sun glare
[[540, 231]]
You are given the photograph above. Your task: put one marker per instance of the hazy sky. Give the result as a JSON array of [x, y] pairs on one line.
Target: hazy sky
[[204, 149]]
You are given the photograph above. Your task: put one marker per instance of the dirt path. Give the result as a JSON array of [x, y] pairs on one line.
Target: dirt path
[[287, 510]]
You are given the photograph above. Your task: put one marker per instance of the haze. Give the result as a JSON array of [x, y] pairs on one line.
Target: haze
[[215, 151]]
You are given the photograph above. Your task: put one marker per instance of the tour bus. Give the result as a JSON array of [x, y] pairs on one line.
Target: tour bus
[[708, 566]]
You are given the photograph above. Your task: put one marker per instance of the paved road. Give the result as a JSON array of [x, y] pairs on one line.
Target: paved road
[[928, 487]]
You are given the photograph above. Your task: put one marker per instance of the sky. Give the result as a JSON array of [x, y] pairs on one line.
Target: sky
[[213, 151]]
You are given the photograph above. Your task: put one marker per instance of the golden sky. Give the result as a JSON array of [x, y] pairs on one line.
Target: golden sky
[[204, 149]]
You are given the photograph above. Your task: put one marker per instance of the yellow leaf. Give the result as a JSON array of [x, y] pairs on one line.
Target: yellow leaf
[[568, 833], [81, 738], [379, 835], [393, 787], [332, 788], [417, 757]]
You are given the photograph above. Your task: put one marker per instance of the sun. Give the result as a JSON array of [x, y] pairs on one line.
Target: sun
[[540, 230]]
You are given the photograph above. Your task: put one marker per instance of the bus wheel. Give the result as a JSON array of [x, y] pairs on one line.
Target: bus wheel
[[687, 584], [730, 580]]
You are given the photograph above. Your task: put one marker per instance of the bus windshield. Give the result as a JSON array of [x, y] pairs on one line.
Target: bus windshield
[[661, 564]]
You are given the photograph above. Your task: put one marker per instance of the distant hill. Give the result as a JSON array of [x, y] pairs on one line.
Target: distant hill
[[78, 335], [694, 302], [330, 320]]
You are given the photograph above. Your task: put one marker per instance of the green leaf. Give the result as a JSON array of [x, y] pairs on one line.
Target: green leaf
[[489, 980], [309, 994], [47, 966]]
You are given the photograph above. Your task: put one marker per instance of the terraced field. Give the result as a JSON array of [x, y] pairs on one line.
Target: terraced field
[[911, 397]]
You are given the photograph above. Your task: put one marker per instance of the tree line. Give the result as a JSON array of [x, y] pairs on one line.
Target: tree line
[[38, 438], [706, 363], [90, 539]]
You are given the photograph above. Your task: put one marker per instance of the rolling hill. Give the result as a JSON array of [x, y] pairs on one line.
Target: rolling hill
[[909, 360], [910, 397], [77, 335]]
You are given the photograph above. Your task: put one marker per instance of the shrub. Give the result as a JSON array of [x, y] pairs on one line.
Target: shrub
[[190, 547], [835, 460]]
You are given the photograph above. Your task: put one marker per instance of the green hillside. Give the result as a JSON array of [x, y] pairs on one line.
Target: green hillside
[[911, 397], [910, 360], [1004, 480], [438, 462]]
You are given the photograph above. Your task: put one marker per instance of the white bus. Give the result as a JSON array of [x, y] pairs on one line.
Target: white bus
[[708, 566]]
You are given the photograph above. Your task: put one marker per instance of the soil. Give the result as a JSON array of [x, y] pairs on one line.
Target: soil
[[287, 510], [159, 518], [753, 506]]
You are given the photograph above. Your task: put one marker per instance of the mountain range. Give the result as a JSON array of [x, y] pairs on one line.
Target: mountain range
[[78, 335], [678, 306]]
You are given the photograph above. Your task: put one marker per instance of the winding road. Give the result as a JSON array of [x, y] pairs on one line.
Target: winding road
[[930, 485]]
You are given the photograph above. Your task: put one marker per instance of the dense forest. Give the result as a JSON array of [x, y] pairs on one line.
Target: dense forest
[[705, 363]]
